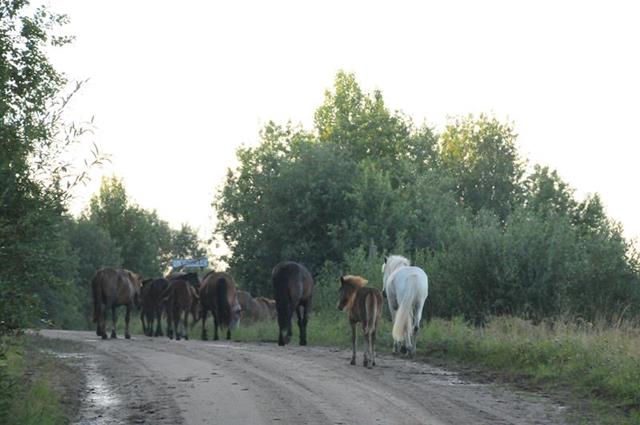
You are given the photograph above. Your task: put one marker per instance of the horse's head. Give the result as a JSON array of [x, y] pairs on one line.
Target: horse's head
[[347, 292]]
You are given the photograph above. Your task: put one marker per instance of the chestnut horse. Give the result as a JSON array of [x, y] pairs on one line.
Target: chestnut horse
[[364, 305], [293, 291], [112, 288], [218, 295]]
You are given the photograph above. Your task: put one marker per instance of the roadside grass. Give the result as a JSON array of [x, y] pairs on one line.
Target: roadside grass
[[26, 396], [593, 362]]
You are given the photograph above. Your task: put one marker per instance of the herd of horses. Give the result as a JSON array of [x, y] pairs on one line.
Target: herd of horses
[[181, 295]]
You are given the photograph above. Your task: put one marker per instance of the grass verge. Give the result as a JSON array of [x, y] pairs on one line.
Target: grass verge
[[28, 377], [596, 364]]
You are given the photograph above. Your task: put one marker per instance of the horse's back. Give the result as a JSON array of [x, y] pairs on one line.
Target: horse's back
[[411, 275], [368, 303]]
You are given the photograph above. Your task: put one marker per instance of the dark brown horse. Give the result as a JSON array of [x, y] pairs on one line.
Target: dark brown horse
[[179, 298], [112, 288], [218, 295], [153, 305], [363, 305], [293, 291]]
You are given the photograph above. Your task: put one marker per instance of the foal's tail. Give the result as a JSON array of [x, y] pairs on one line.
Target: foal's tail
[[404, 316], [371, 307]]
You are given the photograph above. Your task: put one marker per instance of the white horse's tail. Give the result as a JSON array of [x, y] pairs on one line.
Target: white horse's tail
[[404, 316]]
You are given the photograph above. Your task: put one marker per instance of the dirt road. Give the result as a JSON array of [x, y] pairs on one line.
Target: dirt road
[[158, 381]]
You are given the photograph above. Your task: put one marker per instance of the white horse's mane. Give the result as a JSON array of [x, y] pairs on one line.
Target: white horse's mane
[[396, 261]]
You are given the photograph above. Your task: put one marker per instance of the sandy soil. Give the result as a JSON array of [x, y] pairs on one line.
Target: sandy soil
[[158, 381]]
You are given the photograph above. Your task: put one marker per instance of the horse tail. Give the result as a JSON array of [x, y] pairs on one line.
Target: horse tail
[[224, 311], [281, 295], [404, 316]]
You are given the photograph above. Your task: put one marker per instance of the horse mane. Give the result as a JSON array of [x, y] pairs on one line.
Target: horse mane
[[356, 281], [395, 261]]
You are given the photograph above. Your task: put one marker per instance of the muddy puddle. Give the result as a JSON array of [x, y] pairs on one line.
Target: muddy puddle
[[100, 401]]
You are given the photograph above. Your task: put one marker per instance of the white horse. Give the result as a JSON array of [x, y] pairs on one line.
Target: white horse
[[406, 288]]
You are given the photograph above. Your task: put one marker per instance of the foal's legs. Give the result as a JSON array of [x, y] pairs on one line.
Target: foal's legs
[[367, 345], [373, 344], [127, 317], [353, 343]]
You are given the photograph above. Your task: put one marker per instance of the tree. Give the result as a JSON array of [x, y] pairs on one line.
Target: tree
[[144, 240], [185, 243], [481, 157], [32, 175]]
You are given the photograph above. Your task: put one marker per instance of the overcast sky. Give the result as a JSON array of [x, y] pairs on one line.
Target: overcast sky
[[176, 87]]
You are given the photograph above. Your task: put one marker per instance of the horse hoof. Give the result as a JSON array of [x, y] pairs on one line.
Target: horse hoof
[[186, 337], [353, 362], [104, 336], [127, 336]]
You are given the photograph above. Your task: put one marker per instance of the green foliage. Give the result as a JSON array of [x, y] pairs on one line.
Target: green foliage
[[481, 156], [492, 240], [137, 239], [32, 190]]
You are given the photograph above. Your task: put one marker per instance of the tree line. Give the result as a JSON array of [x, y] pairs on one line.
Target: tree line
[[495, 234]]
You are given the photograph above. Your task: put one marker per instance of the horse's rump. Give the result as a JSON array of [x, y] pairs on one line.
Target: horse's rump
[[292, 287], [218, 294], [369, 305], [179, 296], [114, 287], [407, 289]]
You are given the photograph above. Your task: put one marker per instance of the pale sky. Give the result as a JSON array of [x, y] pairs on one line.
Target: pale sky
[[176, 87]]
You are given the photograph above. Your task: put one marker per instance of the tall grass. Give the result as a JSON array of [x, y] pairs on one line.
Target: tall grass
[[593, 361], [26, 396]]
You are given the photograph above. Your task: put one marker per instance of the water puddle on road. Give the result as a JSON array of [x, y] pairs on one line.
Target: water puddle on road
[[99, 401]]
